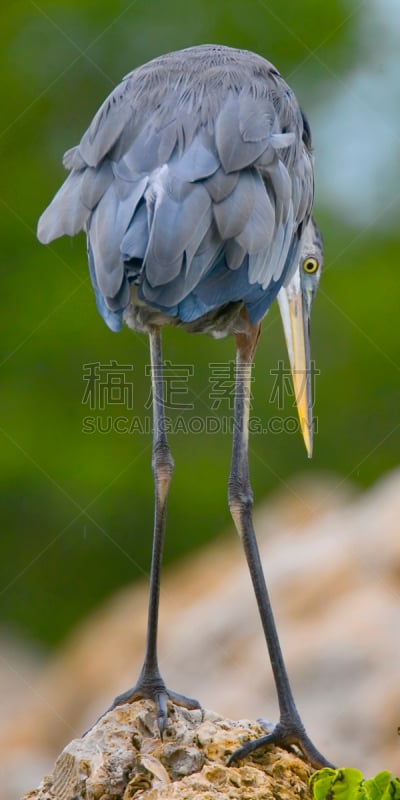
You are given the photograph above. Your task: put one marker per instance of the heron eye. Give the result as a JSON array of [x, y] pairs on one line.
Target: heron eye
[[310, 265]]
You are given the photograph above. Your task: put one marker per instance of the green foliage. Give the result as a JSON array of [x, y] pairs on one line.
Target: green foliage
[[349, 784]]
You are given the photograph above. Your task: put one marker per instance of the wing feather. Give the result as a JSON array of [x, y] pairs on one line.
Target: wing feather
[[194, 181], [66, 214]]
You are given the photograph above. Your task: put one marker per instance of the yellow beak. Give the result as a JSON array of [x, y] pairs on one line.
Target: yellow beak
[[296, 320]]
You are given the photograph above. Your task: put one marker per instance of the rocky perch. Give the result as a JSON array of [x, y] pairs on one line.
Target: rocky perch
[[122, 757]]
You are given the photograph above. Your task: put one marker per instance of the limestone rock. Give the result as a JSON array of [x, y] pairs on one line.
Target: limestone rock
[[123, 758]]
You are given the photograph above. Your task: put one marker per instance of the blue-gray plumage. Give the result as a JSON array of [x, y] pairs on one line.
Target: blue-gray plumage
[[194, 184]]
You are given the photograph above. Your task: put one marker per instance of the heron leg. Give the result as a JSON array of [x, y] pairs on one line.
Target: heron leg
[[150, 683], [290, 729]]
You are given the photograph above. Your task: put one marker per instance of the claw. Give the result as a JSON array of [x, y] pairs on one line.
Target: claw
[[284, 735], [160, 695], [161, 701]]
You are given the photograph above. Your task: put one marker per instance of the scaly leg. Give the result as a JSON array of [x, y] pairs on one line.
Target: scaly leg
[[290, 729], [150, 683]]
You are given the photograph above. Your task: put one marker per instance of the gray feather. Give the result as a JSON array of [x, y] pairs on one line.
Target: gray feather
[[232, 213], [177, 289], [293, 257], [266, 158], [258, 232], [234, 254], [200, 234], [107, 125], [172, 228], [261, 267], [256, 119], [147, 152], [275, 254], [195, 164], [289, 232], [95, 182], [303, 188], [281, 140], [66, 214], [278, 178], [121, 298], [235, 153], [211, 239], [108, 224], [134, 242], [72, 159], [219, 185]]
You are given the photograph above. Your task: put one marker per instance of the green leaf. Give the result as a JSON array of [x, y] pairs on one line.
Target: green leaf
[[382, 787], [336, 784], [348, 784]]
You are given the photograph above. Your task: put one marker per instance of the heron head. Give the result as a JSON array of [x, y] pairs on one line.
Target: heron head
[[295, 301]]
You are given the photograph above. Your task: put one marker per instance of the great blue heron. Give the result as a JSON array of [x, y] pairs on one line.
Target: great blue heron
[[194, 184]]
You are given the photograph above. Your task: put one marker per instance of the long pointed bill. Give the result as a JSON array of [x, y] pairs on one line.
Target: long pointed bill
[[296, 321]]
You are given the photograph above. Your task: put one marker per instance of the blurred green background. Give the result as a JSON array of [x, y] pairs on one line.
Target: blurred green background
[[78, 507]]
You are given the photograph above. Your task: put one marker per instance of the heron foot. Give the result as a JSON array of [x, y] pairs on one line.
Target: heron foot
[[285, 734], [152, 687]]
